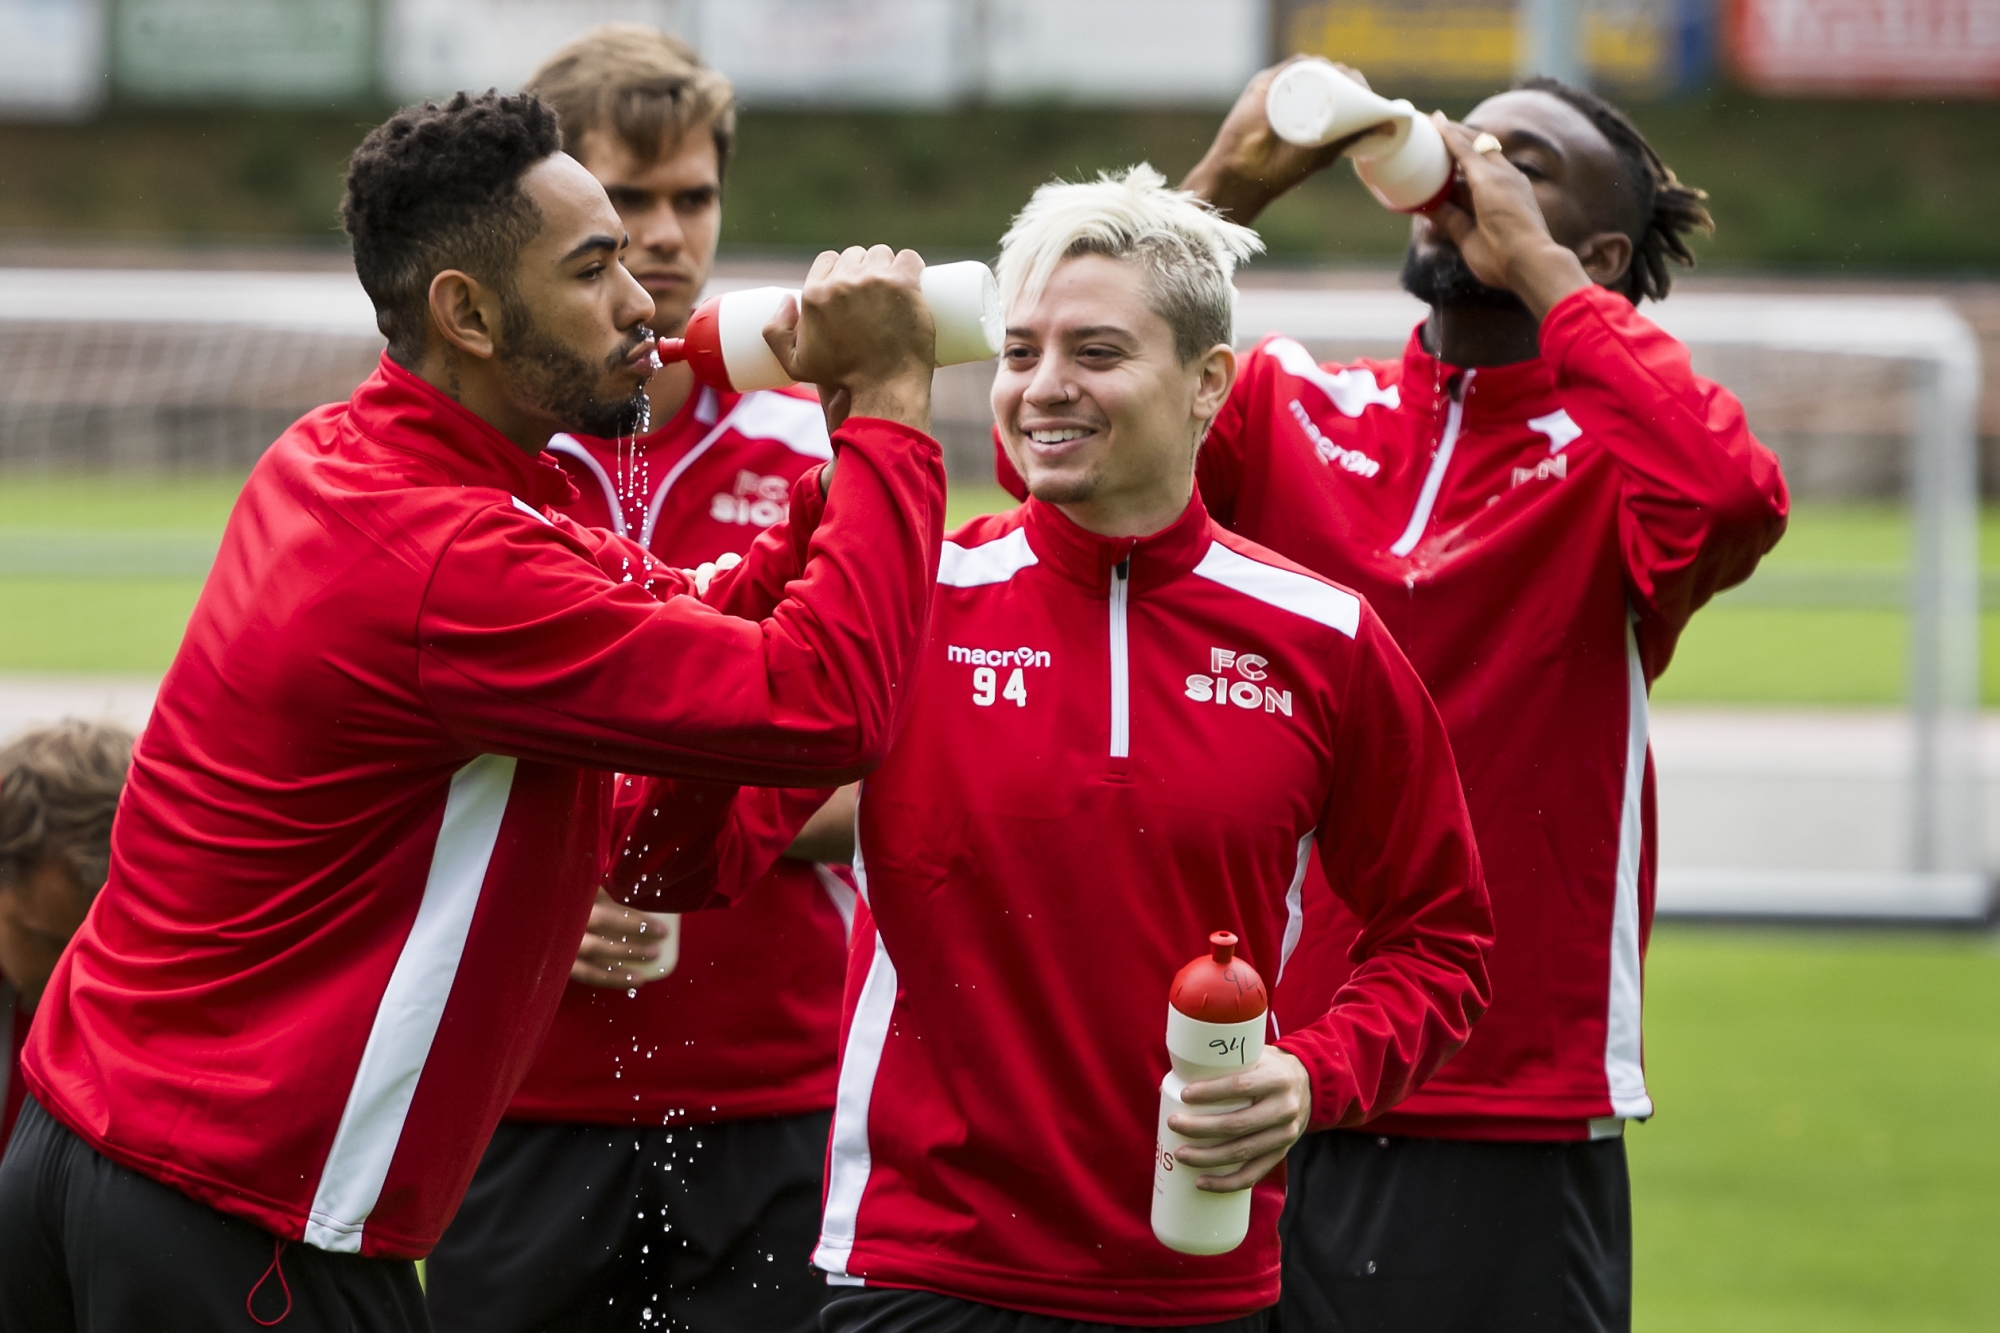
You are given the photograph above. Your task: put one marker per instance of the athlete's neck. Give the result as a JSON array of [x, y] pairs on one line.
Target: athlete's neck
[[478, 385], [1468, 335]]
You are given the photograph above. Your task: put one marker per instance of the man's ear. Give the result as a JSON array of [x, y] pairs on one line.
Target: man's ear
[[1606, 256], [466, 312], [1218, 371]]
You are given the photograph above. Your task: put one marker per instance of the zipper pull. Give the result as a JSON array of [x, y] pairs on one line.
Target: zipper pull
[[1123, 569]]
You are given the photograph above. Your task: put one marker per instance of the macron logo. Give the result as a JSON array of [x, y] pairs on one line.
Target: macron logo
[[996, 657], [1353, 460]]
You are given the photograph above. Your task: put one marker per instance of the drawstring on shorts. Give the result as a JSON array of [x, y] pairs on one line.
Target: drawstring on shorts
[[277, 1266]]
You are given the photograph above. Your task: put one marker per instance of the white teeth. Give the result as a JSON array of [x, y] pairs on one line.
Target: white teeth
[[1056, 436]]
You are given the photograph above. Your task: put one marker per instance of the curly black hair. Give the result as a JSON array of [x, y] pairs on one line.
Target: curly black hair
[[439, 187], [1665, 211]]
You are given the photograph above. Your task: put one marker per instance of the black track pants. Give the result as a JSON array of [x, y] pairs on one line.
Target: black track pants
[[1384, 1235], [595, 1229], [90, 1246]]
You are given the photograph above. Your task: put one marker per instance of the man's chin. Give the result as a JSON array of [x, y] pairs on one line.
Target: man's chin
[[611, 420], [1438, 275]]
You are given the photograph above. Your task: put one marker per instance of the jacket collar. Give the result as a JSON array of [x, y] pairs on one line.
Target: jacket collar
[[1086, 559], [1497, 390], [397, 409]]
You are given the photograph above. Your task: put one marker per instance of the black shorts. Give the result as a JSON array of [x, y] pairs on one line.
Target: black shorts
[[90, 1246], [575, 1228], [1385, 1233], [891, 1310]]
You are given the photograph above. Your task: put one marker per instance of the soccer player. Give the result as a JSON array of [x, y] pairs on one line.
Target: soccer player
[[1536, 498], [354, 856], [725, 1021], [59, 788], [1132, 729]]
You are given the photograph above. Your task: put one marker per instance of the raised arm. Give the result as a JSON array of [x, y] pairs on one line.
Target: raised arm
[[1248, 165], [1701, 500], [529, 649]]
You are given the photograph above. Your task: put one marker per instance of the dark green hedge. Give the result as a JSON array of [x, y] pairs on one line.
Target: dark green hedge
[[1864, 187]]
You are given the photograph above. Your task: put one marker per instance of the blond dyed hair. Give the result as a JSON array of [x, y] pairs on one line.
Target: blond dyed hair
[[1187, 250], [647, 87]]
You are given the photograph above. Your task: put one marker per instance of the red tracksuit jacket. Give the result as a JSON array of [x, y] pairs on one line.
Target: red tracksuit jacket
[[360, 836], [1116, 747], [747, 1025], [1536, 537]]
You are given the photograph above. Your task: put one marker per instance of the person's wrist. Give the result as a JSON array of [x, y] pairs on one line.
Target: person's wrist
[[1238, 197], [904, 398], [1546, 275]]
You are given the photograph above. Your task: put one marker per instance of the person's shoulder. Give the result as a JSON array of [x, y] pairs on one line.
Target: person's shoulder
[[1280, 366], [791, 417], [1276, 584], [990, 549]]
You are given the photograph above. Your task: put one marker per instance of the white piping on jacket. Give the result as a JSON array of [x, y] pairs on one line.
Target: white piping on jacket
[[1434, 479]]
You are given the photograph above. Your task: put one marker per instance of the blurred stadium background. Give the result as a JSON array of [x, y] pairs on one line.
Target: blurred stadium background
[[173, 292]]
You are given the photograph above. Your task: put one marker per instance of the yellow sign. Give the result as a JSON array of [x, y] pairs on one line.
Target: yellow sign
[[1400, 45]]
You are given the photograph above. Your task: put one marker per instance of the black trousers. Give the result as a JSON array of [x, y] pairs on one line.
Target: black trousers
[[90, 1246], [579, 1228], [889, 1310], [1384, 1235]]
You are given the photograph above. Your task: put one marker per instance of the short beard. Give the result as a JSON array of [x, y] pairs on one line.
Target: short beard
[[1441, 278], [560, 382]]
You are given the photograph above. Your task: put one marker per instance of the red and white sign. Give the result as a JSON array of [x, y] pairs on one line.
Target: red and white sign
[[1867, 46]]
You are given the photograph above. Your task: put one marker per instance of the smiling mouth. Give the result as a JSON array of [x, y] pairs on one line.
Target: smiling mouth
[[1062, 436]]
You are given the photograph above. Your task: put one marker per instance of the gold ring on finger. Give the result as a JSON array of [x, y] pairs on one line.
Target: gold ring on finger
[[1485, 143]]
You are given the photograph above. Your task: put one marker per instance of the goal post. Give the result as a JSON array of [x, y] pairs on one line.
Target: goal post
[[1939, 868]]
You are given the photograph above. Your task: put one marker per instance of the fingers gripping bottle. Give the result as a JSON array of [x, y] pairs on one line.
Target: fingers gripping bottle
[[1406, 166], [1215, 1026], [724, 341]]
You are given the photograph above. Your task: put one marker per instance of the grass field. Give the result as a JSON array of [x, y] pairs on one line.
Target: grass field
[[99, 575], [1824, 1158], [1824, 1155]]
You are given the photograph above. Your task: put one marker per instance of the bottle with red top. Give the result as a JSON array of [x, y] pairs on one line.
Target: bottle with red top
[[1216, 1014], [724, 340]]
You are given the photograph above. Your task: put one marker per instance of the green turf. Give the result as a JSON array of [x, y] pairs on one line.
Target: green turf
[[98, 574], [1824, 1155]]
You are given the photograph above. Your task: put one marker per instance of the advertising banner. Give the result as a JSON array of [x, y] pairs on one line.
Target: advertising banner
[[1884, 47], [1645, 46], [52, 62], [431, 48], [1131, 52], [244, 50]]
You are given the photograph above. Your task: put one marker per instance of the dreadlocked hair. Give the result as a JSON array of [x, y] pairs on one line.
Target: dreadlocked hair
[[1667, 211]]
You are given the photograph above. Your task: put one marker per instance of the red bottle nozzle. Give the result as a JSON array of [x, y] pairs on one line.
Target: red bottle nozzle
[[673, 349], [1219, 988]]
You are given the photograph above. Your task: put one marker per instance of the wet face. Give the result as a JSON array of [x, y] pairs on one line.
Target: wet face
[[1576, 179], [573, 344], [1095, 408], [671, 206], [38, 914]]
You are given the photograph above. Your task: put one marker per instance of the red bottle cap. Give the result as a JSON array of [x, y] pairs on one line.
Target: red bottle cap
[[700, 345], [1220, 988]]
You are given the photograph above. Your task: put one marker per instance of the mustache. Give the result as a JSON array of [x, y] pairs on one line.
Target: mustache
[[638, 338]]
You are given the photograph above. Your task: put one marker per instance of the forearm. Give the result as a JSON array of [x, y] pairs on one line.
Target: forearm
[[528, 652]]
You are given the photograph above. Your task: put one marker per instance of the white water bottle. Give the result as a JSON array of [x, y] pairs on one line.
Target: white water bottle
[[724, 342], [1215, 1026], [1405, 165]]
